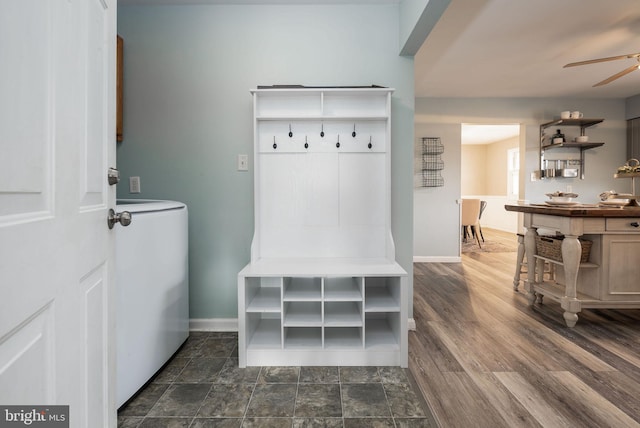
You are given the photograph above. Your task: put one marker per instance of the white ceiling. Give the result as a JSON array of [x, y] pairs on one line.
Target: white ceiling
[[517, 48]]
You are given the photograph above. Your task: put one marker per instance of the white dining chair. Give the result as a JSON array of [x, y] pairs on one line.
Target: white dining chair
[[471, 218]]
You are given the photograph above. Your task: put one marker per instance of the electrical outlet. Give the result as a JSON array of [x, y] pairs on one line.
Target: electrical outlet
[[134, 184], [243, 162]]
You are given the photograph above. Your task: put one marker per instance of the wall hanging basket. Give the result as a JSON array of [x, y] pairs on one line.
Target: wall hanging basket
[[432, 164]]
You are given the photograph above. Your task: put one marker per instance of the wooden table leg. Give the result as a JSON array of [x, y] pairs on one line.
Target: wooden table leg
[[530, 251], [571, 251], [519, 260]]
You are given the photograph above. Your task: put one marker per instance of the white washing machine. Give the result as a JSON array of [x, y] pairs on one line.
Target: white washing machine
[[152, 281]]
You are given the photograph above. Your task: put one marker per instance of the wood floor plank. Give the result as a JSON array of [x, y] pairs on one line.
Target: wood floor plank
[[533, 400], [469, 406], [431, 381], [439, 353], [506, 404], [460, 338], [597, 409], [616, 387], [483, 357]]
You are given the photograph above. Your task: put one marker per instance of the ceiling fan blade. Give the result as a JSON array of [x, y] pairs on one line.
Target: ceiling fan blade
[[617, 75], [611, 58]]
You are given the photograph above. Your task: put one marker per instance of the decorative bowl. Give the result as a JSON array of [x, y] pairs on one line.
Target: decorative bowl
[[562, 196]]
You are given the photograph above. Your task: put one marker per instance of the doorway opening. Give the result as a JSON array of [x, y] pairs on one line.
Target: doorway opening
[[490, 170]]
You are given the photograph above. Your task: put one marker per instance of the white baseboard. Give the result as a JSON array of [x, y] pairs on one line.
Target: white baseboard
[[436, 259], [213, 324], [411, 325]]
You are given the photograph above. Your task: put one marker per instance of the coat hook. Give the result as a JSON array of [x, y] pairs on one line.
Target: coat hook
[[322, 130], [353, 134], [306, 145], [369, 145], [275, 146], [338, 143], [290, 133]]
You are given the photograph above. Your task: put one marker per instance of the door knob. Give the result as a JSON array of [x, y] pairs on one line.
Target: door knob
[[113, 175], [124, 218]]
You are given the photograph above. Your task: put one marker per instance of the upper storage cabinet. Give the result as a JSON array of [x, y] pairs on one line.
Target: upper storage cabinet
[[322, 173]]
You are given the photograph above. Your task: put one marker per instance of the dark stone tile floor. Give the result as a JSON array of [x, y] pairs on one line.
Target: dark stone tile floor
[[203, 387]]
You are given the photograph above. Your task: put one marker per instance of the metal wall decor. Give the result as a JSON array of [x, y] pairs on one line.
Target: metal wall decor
[[432, 163]]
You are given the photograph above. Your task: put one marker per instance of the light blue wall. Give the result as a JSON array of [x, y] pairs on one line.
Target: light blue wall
[[436, 213], [188, 113]]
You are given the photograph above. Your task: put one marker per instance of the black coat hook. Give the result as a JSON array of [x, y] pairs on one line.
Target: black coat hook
[[353, 134], [306, 145], [338, 143], [290, 133], [275, 146], [322, 130], [369, 145]]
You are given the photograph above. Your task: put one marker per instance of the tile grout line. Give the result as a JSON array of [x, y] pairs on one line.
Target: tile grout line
[[170, 384], [295, 399], [341, 395], [386, 398], [255, 384], [191, 358]]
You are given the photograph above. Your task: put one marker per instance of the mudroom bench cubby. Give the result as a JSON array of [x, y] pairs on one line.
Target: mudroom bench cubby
[[323, 286]]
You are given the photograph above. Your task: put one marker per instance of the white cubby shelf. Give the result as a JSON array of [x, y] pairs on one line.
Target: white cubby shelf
[[323, 286]]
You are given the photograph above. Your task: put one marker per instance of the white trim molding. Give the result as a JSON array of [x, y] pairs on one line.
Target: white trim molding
[[411, 324], [213, 324], [436, 259]]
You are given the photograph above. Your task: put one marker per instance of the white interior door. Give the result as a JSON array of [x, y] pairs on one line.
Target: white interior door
[[57, 140]]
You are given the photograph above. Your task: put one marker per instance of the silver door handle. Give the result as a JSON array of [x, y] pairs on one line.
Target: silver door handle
[[124, 218]]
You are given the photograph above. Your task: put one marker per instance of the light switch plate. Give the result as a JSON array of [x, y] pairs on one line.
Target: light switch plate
[[243, 162]]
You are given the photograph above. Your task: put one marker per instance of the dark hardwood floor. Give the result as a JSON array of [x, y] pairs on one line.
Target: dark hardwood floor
[[484, 358]]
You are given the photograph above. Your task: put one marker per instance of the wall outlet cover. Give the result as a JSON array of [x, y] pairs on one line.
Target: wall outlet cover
[[134, 184]]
